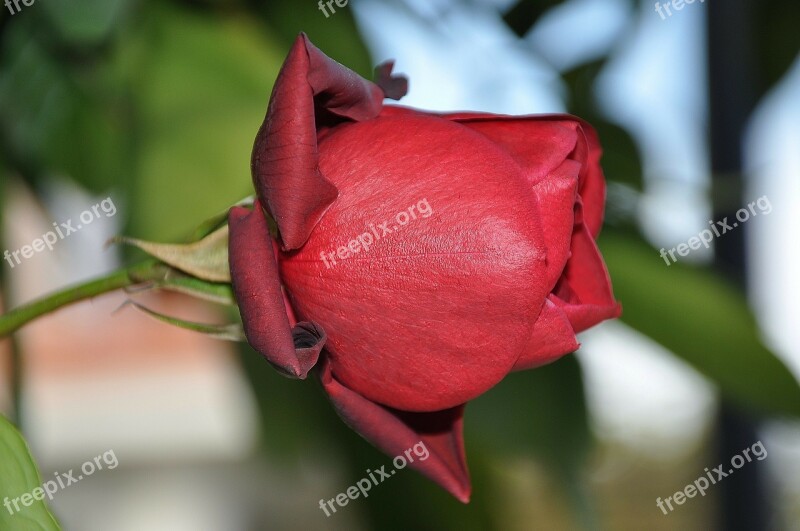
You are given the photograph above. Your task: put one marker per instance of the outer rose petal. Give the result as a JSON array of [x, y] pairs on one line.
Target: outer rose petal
[[552, 338], [394, 432], [258, 291], [593, 186], [556, 194], [311, 89], [516, 133], [538, 146], [584, 290], [437, 311]]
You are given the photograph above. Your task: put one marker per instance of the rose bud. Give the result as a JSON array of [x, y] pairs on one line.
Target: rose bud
[[419, 257]]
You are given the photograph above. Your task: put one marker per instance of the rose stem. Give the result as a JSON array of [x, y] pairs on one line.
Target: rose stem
[[135, 274]]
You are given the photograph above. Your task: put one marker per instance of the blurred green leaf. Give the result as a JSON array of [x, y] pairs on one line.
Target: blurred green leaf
[[203, 93], [621, 159], [18, 477], [703, 320], [84, 22], [60, 117], [540, 414]]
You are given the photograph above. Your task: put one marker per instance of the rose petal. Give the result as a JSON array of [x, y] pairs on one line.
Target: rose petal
[[524, 135], [556, 194], [584, 290], [254, 273], [552, 338], [538, 146], [593, 185], [394, 432], [311, 89]]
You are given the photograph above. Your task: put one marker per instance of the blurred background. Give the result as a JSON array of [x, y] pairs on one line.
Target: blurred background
[[155, 105]]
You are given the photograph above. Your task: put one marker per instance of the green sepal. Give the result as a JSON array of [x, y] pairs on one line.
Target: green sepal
[[226, 332]]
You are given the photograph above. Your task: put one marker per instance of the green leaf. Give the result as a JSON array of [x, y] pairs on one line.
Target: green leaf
[[703, 320], [206, 259], [226, 332], [19, 476]]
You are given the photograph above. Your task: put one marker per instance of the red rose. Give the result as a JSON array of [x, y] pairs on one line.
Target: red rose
[[430, 255]]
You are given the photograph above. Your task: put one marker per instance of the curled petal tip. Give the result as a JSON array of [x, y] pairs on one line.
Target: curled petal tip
[[309, 338], [393, 86]]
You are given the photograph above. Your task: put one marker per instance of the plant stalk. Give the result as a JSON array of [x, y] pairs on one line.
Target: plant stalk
[[22, 315]]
